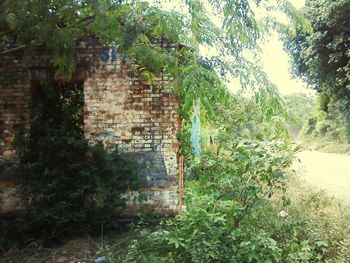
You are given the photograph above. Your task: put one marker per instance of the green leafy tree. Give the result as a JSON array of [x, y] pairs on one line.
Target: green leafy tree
[[321, 57], [136, 28]]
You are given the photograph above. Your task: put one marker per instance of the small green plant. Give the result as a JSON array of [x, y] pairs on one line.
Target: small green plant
[[149, 217]]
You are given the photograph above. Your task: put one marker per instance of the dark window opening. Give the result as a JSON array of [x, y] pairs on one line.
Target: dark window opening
[[58, 107]]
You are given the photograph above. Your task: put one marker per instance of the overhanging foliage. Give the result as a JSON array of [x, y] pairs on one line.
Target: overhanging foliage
[[321, 57], [229, 28]]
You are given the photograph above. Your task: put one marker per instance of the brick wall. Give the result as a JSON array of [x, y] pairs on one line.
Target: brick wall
[[119, 110], [14, 104]]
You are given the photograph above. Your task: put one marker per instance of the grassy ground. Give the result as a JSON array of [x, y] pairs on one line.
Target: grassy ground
[[317, 218], [81, 249], [76, 250]]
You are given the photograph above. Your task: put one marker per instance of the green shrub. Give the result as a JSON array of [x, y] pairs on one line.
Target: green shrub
[[66, 183], [248, 173], [229, 216], [312, 228], [227, 195], [206, 232]]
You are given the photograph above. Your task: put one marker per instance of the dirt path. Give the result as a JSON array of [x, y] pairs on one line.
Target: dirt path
[[327, 171]]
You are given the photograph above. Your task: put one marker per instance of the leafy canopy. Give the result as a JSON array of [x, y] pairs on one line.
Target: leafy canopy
[[227, 30], [321, 56]]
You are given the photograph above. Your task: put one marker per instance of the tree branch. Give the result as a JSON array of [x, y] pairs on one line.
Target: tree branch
[[12, 50]]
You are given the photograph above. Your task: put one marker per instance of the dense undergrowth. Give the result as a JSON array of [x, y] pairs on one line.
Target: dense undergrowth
[[65, 184], [305, 226], [243, 203], [240, 208], [223, 201]]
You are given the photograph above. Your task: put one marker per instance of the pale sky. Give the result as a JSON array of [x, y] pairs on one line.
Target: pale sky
[[276, 64], [275, 60], [298, 3]]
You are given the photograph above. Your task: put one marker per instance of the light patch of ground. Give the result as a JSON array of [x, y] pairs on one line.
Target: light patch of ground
[[326, 171]]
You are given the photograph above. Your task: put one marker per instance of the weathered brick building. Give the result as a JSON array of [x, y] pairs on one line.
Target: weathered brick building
[[118, 110]]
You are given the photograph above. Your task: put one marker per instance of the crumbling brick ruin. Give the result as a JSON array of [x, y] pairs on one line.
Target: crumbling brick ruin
[[118, 110]]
